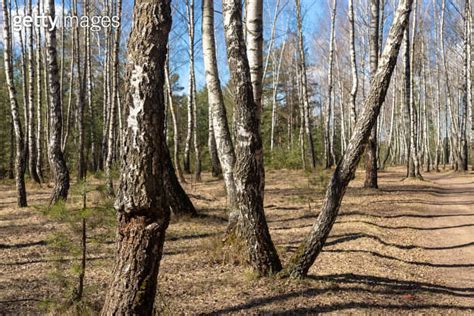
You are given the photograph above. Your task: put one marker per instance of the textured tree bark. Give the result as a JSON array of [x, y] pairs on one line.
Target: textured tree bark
[[20, 163], [276, 82], [312, 246], [371, 150], [465, 89], [304, 87], [143, 212], [225, 147], [249, 172], [254, 41], [57, 162]]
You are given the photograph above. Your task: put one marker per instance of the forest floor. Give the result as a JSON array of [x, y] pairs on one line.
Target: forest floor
[[406, 248]]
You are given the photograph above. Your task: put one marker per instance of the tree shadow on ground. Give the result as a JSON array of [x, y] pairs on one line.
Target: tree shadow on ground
[[358, 284]]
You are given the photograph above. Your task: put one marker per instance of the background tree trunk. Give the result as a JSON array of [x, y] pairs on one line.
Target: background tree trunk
[[20, 163], [371, 150], [58, 164]]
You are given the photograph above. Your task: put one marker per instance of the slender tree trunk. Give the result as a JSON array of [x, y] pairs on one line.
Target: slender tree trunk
[[276, 82], [225, 148], [371, 150], [312, 246], [58, 164], [11, 160], [355, 78], [20, 163], [174, 117], [113, 105], [39, 101], [254, 41], [329, 150], [249, 172], [304, 86], [215, 165]]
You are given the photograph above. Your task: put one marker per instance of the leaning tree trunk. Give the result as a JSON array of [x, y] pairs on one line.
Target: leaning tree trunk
[[304, 87], [249, 172], [312, 246], [143, 212], [225, 148], [371, 149], [20, 163], [57, 162]]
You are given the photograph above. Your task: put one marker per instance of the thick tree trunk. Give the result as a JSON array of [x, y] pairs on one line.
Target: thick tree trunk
[[143, 212], [249, 172], [20, 163], [58, 164], [312, 246], [304, 87], [225, 147], [371, 149]]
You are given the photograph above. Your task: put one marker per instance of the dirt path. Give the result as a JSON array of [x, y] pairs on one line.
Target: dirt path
[[407, 248], [450, 233]]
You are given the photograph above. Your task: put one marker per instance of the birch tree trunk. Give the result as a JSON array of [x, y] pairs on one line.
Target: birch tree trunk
[[20, 162], [254, 40], [143, 212], [371, 150], [225, 147], [329, 150], [304, 86], [113, 104], [32, 149], [355, 78], [249, 172], [215, 165], [39, 101], [57, 162], [312, 246], [174, 117]]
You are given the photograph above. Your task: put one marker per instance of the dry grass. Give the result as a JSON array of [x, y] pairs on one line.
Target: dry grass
[[379, 257]]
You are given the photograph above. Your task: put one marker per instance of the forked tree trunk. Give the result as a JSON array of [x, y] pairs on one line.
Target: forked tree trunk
[[312, 246], [249, 172], [20, 163], [371, 149], [57, 162], [225, 148], [304, 87], [143, 212]]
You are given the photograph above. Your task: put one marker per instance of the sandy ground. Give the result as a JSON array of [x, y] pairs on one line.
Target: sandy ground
[[407, 248]]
